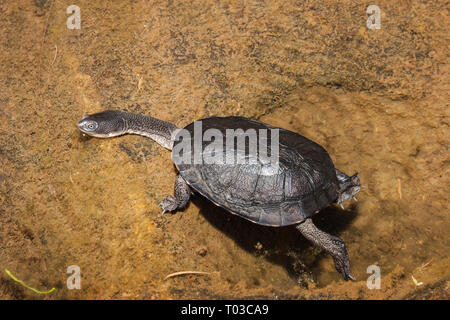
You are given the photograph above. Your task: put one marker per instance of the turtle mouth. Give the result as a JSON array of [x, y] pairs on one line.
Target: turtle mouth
[[98, 135], [84, 132], [349, 193]]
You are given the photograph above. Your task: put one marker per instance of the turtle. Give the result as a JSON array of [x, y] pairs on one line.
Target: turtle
[[288, 191]]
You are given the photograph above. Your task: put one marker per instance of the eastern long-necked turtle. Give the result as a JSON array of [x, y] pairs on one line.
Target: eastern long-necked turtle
[[303, 182]]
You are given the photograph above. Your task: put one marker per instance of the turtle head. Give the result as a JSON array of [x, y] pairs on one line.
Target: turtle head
[[104, 124], [348, 187]]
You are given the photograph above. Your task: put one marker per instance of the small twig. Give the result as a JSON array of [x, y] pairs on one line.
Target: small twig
[[27, 286], [139, 83], [56, 52], [180, 273], [416, 283], [426, 264], [41, 89], [46, 24], [399, 188]]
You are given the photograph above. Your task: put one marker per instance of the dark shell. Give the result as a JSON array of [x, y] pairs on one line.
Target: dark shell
[[305, 182]]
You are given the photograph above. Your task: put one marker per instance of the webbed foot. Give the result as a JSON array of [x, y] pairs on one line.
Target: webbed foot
[[168, 204], [332, 244], [182, 195]]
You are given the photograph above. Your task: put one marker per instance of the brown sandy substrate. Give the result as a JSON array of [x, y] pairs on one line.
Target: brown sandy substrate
[[376, 100]]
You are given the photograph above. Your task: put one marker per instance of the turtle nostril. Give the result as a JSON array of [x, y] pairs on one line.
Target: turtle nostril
[[80, 125]]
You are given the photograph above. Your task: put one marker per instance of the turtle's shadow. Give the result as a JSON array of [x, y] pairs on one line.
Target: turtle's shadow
[[284, 246]]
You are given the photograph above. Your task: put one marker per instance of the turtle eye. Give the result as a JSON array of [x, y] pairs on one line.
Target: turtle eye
[[91, 125]]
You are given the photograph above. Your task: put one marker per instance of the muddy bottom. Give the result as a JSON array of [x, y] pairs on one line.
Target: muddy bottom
[[377, 102]]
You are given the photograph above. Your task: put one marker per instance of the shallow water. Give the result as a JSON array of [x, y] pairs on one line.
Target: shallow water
[[378, 102]]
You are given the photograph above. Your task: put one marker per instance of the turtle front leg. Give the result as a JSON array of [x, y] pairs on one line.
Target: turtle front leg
[[182, 195], [331, 244]]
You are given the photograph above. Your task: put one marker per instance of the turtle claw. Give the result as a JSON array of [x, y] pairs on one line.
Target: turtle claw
[[341, 261], [342, 206], [168, 204], [354, 198], [163, 210]]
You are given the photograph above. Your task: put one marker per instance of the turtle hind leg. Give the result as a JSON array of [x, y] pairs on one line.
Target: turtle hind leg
[[181, 199], [348, 187], [331, 244]]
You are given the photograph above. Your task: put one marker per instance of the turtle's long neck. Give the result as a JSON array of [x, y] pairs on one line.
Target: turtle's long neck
[[158, 130]]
